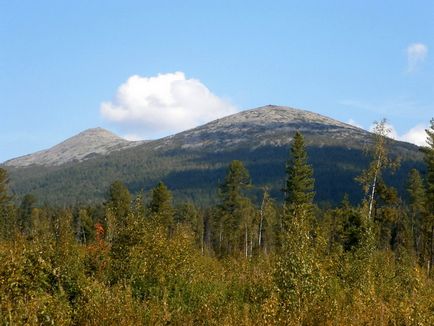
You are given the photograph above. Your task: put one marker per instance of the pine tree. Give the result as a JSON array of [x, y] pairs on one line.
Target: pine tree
[[417, 205], [345, 225], [25, 216], [119, 200], [297, 275], [160, 206], [231, 190], [299, 191], [235, 218], [7, 211], [4, 196]]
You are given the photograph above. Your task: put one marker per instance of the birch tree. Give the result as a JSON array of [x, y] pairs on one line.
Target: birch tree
[[380, 161]]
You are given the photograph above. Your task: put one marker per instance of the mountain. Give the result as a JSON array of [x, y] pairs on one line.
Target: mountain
[[269, 125], [193, 162], [85, 145]]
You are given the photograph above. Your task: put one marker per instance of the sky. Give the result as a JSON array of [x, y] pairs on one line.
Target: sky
[[146, 69]]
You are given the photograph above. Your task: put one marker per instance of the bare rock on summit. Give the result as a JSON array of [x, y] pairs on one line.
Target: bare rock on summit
[[89, 143], [268, 125]]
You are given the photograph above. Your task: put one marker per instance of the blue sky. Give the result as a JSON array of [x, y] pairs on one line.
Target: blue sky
[[62, 63]]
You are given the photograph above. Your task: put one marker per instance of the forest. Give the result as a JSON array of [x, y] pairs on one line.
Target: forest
[[141, 260]]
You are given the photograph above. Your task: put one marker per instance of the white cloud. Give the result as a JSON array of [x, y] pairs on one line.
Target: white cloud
[[416, 55], [163, 104], [132, 137], [416, 135], [354, 123]]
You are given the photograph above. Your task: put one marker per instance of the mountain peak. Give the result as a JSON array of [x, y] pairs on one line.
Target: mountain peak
[[86, 144], [267, 125], [284, 114], [97, 132]]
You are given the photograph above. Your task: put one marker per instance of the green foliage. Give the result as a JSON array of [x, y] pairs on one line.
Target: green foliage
[[236, 216], [300, 182], [7, 210], [428, 223], [381, 161], [4, 196], [298, 277], [429, 161], [119, 199], [160, 206], [25, 215]]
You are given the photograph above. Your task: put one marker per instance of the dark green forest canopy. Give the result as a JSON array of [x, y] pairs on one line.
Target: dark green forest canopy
[[195, 175]]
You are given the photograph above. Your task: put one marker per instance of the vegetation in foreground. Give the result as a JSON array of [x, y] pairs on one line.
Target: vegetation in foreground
[[140, 260]]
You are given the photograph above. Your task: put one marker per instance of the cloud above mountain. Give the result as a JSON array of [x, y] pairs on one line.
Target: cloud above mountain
[[160, 105], [415, 135], [416, 55]]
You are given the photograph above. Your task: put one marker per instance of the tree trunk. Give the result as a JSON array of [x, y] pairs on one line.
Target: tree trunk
[[374, 184], [246, 242], [431, 259]]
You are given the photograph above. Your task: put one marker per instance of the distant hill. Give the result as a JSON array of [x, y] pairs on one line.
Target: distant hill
[[78, 148], [193, 162]]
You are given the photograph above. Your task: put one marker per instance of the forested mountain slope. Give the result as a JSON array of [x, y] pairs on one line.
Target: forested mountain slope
[[193, 162]]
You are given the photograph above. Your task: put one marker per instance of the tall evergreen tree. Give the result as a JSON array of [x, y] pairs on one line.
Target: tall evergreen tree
[[417, 206], [236, 181], [25, 216], [234, 225], [299, 191], [297, 274], [7, 211], [119, 199], [117, 208], [160, 206], [4, 195]]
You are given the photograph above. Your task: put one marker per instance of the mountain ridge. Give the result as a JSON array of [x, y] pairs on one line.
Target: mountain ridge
[[282, 119], [192, 162]]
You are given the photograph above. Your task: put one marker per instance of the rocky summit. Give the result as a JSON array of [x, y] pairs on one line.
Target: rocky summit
[[85, 145], [268, 125]]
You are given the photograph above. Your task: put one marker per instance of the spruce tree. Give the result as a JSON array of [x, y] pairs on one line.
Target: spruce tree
[[119, 200], [297, 274], [160, 206], [7, 211], [231, 190], [235, 218], [25, 216], [417, 206], [299, 191], [4, 196]]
